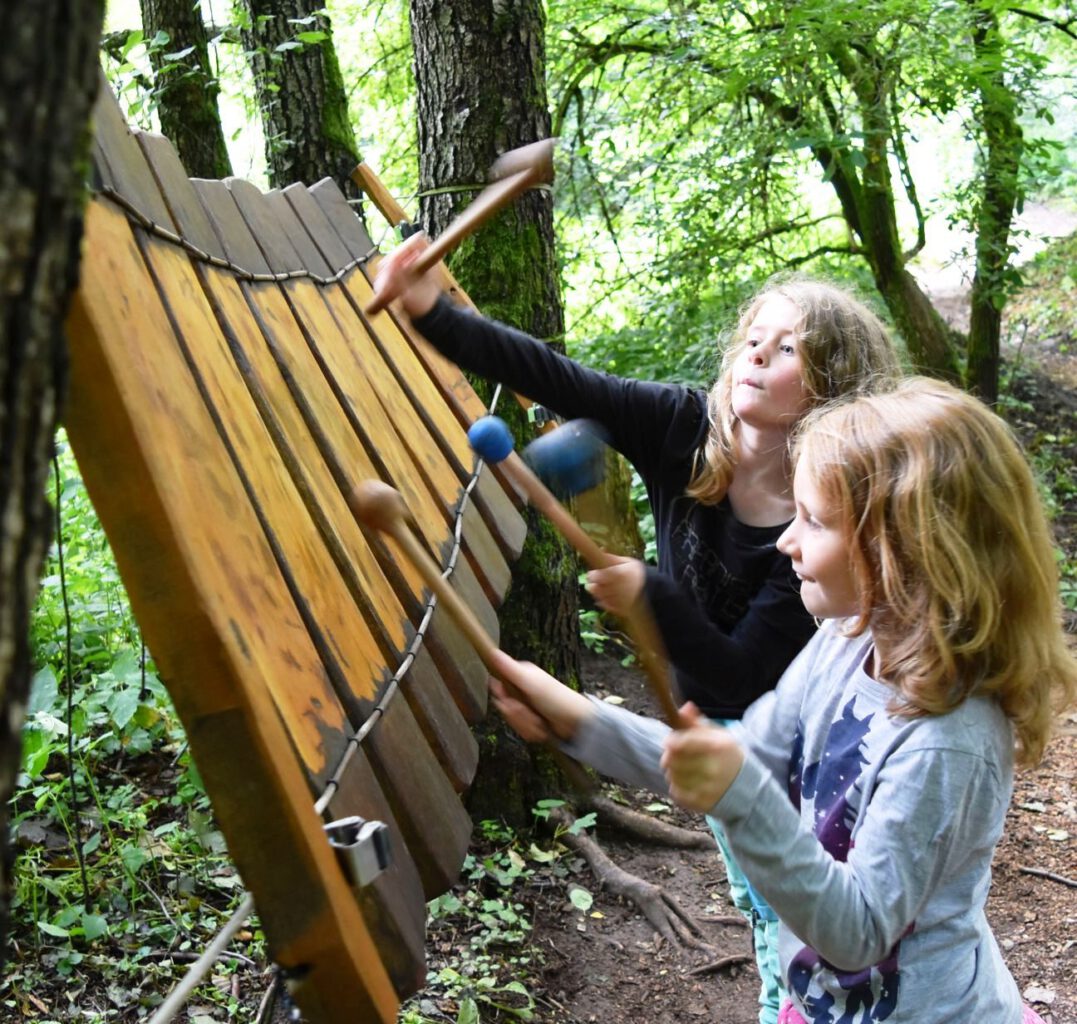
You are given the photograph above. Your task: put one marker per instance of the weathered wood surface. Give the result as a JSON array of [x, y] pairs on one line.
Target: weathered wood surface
[[220, 424]]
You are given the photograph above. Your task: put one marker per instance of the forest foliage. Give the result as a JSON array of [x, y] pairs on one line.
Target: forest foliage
[[703, 147]]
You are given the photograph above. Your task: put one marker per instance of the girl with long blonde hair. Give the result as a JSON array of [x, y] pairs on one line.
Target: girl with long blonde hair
[[718, 477], [865, 795]]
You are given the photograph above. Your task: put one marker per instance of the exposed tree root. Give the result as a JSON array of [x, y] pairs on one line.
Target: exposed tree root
[[643, 826], [666, 916], [733, 960]]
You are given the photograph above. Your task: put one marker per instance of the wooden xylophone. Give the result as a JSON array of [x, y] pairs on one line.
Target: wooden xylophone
[[228, 392]]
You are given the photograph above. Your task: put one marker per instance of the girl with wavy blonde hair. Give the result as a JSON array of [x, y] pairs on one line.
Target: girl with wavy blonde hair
[[718, 477], [953, 556], [864, 797], [845, 349]]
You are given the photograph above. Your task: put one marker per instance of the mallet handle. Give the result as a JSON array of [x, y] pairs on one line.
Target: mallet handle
[[487, 203], [639, 623], [396, 525], [454, 605]]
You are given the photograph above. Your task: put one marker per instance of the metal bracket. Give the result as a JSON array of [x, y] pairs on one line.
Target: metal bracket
[[363, 847], [539, 415]]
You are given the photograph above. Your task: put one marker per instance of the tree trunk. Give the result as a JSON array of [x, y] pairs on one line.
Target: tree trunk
[[300, 93], [865, 194], [868, 204], [928, 338], [48, 78], [1003, 142], [481, 89], [187, 88]]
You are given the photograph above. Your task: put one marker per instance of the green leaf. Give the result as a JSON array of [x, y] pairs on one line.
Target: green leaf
[[54, 930], [94, 926], [581, 898], [133, 39], [36, 749], [122, 706], [587, 821], [133, 857], [469, 1012], [310, 38], [44, 692]]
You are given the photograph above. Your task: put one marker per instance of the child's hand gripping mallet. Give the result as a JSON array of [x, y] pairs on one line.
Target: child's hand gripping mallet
[[378, 506], [571, 456]]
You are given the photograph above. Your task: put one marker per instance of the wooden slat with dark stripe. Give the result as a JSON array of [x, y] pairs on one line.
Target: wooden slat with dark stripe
[[498, 508]]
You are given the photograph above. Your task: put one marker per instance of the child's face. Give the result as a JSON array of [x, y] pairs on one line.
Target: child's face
[[768, 375], [818, 542]]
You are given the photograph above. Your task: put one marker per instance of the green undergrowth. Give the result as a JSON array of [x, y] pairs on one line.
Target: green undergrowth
[[121, 877], [1045, 310], [1041, 327], [482, 965]]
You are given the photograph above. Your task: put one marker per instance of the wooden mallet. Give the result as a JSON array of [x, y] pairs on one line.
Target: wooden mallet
[[382, 508], [377, 505], [511, 174], [491, 439]]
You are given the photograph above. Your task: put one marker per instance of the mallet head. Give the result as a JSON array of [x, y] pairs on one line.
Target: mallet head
[[536, 159], [568, 460], [490, 439], [378, 505]]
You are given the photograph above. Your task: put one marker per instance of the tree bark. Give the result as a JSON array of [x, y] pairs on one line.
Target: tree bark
[[868, 203], [301, 94], [187, 88], [48, 79], [481, 89], [1003, 142]]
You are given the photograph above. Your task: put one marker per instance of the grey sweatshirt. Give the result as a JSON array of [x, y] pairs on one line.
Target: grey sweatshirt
[[871, 836]]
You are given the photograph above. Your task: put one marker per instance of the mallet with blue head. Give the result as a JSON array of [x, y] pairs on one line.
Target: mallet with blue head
[[492, 440]]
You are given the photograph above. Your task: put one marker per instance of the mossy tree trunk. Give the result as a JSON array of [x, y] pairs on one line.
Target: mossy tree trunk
[[480, 69], [48, 79], [1003, 141], [187, 88], [301, 95]]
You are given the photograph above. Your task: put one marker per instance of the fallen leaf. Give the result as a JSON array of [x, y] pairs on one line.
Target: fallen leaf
[[1036, 994]]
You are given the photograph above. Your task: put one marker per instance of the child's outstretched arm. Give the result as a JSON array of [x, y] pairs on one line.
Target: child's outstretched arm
[[536, 705], [395, 278]]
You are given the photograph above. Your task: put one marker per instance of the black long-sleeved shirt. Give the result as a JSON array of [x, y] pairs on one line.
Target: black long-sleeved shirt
[[725, 600]]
